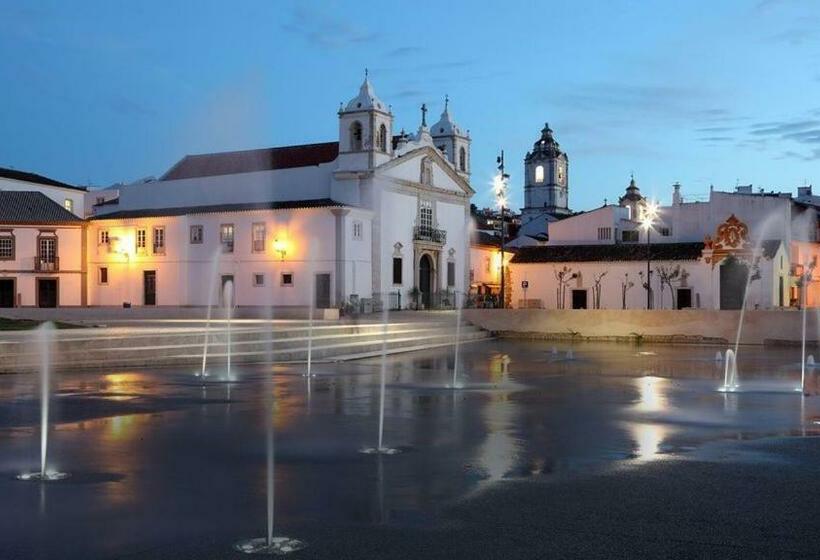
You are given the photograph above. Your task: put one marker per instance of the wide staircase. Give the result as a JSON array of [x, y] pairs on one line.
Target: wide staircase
[[249, 341]]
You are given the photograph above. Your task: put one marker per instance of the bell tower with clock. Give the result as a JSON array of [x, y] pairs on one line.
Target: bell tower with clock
[[546, 183]]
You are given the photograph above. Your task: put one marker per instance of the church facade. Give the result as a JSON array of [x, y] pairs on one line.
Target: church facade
[[374, 216]]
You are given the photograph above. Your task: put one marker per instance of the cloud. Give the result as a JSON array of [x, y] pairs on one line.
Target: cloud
[[716, 139], [782, 128], [814, 155], [405, 51], [713, 129], [325, 31]]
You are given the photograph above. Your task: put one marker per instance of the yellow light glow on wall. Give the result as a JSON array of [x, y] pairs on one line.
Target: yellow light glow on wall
[[280, 245]]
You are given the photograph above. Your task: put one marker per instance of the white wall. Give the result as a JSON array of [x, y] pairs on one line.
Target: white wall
[[57, 194]]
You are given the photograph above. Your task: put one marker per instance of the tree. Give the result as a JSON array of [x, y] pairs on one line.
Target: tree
[[564, 276], [596, 289], [626, 284], [667, 275]]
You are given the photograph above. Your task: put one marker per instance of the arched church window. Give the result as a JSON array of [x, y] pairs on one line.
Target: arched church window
[[426, 171], [356, 136], [381, 139], [462, 159], [539, 174]]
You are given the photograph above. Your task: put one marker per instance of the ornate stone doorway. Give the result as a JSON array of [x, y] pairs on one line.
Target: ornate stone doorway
[[426, 279], [733, 277]]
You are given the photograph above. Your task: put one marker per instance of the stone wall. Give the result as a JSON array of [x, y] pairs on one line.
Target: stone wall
[[684, 326]]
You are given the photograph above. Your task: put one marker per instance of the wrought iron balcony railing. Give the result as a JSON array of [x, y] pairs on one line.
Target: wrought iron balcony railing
[[433, 235], [46, 264]]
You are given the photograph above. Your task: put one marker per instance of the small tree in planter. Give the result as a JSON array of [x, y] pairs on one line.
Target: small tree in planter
[[564, 277], [626, 285], [596, 289], [414, 294], [667, 275]]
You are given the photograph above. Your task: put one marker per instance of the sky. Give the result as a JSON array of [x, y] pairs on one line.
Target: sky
[[701, 92]]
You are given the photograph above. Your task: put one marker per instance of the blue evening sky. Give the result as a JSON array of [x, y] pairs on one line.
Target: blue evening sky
[[701, 92]]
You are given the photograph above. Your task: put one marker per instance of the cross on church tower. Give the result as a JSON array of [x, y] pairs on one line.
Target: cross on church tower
[[424, 115]]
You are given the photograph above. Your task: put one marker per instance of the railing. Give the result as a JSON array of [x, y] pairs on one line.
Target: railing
[[46, 264], [426, 233]]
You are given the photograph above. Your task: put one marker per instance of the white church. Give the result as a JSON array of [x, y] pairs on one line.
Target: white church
[[372, 217]]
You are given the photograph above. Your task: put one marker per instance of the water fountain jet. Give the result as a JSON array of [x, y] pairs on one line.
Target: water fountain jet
[[44, 336], [381, 449], [729, 372]]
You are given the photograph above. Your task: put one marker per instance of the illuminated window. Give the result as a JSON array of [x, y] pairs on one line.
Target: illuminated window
[[159, 240], [539, 174], [69, 204], [141, 237], [258, 234], [226, 237]]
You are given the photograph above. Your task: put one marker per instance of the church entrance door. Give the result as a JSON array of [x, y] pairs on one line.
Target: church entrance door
[[733, 276], [426, 280]]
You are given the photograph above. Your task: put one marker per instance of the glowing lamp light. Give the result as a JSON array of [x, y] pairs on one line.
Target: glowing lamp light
[[281, 247], [650, 213]]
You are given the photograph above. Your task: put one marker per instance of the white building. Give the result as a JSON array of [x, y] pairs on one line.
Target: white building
[[700, 254], [369, 214]]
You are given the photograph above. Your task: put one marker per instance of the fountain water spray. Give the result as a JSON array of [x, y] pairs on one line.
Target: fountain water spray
[[804, 288], [383, 376], [44, 336], [730, 372], [455, 384], [227, 297], [211, 292], [312, 307], [718, 356]]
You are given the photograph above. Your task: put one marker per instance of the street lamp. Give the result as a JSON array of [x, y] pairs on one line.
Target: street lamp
[[500, 190], [650, 213]]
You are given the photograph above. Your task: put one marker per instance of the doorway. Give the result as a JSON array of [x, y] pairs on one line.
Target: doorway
[[579, 299], [426, 280], [225, 279], [733, 276], [7, 292], [323, 291], [47, 292], [684, 298], [149, 287]]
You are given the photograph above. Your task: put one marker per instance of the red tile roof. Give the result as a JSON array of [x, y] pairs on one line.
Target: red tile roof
[[246, 161]]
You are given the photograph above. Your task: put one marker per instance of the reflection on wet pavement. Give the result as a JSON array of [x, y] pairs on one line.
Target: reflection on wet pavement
[[144, 446]]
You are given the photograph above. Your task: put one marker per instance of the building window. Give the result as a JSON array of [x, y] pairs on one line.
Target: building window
[[226, 237], [426, 214], [100, 200], [258, 235], [287, 279], [47, 250], [381, 139], [103, 275], [356, 136], [451, 274], [539, 174], [357, 230], [462, 159], [141, 240], [197, 234], [630, 235], [258, 280], [69, 204], [397, 265], [604, 233], [665, 231], [159, 240], [104, 237], [7, 248]]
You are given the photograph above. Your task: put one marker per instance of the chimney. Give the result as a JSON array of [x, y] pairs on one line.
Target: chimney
[[804, 191]]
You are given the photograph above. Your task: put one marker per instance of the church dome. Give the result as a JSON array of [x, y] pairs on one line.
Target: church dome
[[366, 100], [546, 146], [633, 193], [445, 125]]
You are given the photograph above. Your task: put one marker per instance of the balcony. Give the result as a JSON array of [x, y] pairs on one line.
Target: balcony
[[429, 234], [46, 264]]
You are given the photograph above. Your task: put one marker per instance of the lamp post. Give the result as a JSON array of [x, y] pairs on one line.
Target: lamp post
[[500, 188], [647, 221]]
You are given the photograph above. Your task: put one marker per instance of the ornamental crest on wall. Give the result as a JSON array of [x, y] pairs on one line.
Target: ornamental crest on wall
[[731, 238]]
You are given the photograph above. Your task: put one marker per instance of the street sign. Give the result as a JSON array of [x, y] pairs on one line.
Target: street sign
[[524, 284]]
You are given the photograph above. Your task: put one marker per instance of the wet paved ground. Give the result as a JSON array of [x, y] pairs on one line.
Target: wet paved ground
[[620, 451]]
